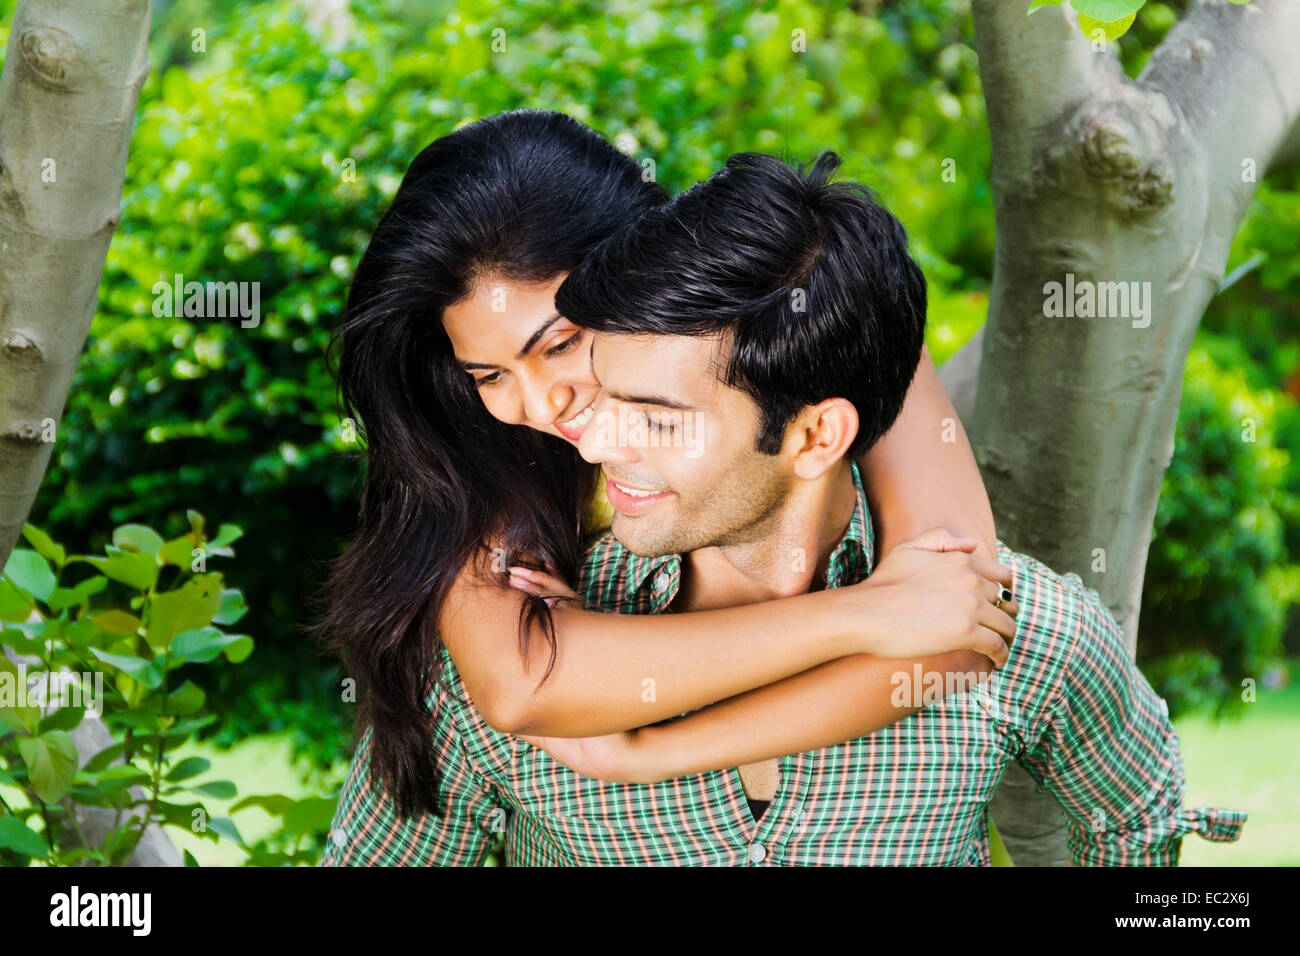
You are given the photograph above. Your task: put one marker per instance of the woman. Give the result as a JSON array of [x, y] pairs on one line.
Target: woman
[[451, 343]]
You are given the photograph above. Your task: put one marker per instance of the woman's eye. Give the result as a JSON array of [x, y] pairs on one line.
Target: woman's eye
[[488, 379], [659, 426], [565, 345]]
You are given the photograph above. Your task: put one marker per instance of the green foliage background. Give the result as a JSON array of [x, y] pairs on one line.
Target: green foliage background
[[237, 171]]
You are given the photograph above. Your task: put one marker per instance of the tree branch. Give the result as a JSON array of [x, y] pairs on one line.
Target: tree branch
[[1033, 68], [1233, 73]]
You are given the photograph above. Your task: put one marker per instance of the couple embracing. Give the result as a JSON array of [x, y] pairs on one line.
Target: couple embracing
[[658, 514]]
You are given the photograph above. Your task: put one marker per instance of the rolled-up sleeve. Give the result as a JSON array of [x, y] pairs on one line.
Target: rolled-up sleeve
[[1108, 753]]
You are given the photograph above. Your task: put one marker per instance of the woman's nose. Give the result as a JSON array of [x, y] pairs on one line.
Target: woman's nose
[[543, 402]]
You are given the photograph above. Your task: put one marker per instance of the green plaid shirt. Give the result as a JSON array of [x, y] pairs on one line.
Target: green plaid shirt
[[1070, 707]]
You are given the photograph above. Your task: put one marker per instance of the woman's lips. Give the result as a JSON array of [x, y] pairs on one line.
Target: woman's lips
[[572, 429], [629, 504]]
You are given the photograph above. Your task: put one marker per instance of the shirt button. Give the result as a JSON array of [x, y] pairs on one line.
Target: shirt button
[[661, 581], [757, 853]]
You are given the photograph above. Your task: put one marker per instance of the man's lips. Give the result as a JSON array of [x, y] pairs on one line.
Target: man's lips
[[629, 499]]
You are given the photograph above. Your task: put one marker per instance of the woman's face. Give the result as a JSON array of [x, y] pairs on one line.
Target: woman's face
[[531, 365]]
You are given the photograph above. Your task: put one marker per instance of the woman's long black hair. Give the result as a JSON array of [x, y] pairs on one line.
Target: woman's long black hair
[[524, 195]]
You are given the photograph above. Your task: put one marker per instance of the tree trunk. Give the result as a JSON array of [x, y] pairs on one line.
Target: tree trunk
[[1111, 180], [68, 94]]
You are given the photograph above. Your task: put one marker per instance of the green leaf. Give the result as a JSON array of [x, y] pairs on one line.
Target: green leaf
[[273, 803], [148, 673], [13, 606], [1039, 4], [196, 523], [217, 789], [187, 768], [178, 551], [226, 534], [21, 641], [80, 594], [82, 634], [51, 763], [124, 775], [116, 622], [135, 569], [1107, 11], [232, 607], [190, 860], [226, 828], [202, 645], [31, 573], [45, 545], [65, 718], [138, 537], [184, 609], [1111, 31], [23, 719], [104, 758], [310, 815], [185, 700], [17, 836]]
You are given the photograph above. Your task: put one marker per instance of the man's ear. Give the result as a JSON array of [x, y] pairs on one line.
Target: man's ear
[[821, 435]]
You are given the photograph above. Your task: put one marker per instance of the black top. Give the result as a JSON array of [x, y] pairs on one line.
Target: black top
[[756, 807]]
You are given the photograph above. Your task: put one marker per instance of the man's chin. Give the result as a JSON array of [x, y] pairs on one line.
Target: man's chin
[[640, 537]]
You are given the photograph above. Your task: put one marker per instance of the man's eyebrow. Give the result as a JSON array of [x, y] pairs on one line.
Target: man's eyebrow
[[658, 400]]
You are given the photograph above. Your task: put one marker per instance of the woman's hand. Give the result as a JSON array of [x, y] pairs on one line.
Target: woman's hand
[[615, 758], [931, 595], [544, 584]]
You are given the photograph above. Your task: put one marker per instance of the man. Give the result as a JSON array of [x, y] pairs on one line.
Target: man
[[778, 319]]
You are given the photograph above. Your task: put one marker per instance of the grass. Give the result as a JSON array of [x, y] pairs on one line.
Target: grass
[[1254, 765]]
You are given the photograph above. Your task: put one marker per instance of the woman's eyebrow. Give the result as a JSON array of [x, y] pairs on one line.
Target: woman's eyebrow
[[533, 339]]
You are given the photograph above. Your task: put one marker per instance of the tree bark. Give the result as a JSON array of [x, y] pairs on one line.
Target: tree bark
[[1115, 181], [68, 94]]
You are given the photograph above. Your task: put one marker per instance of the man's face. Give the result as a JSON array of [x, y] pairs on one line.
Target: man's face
[[678, 446]]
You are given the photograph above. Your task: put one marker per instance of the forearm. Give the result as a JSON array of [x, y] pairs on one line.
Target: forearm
[[620, 671], [830, 704], [922, 473]]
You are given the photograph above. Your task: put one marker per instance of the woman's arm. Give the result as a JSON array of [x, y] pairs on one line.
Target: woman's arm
[[916, 480], [822, 707], [620, 671]]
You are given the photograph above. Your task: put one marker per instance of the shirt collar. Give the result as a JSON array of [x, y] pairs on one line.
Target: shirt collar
[[852, 560]]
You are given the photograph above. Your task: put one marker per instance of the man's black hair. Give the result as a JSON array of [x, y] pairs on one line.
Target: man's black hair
[[811, 279]]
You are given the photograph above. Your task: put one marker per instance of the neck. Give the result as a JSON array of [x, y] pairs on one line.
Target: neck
[[789, 553]]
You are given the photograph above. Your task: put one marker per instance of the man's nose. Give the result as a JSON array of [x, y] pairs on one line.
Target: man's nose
[[602, 440]]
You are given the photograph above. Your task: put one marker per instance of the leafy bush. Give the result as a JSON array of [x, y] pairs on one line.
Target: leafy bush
[[70, 651], [1217, 583]]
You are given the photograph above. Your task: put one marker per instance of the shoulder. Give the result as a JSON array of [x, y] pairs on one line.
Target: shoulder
[[457, 722]]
